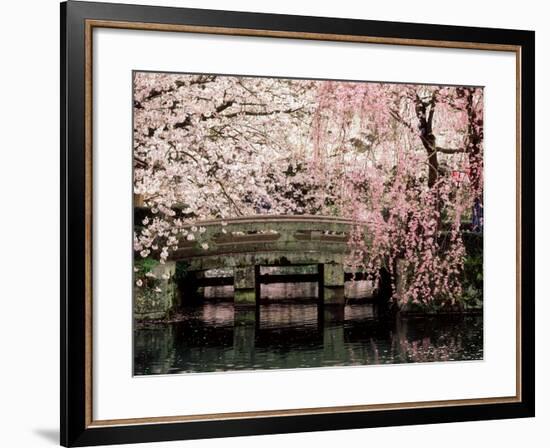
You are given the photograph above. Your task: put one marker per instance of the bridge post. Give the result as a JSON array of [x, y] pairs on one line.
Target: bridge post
[[244, 281], [333, 284], [152, 304]]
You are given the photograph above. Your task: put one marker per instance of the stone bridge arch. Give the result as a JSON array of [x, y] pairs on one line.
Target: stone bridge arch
[[245, 244]]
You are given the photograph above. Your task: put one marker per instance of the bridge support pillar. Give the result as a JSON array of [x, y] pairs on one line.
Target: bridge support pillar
[[157, 304], [329, 315], [245, 285], [333, 284]]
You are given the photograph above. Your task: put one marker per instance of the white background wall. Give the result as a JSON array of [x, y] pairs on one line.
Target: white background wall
[[29, 222]]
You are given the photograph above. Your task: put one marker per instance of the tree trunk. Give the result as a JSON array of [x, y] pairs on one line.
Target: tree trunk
[[425, 119], [433, 163]]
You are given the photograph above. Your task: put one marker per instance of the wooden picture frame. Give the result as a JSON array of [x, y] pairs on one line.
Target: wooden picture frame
[[78, 22]]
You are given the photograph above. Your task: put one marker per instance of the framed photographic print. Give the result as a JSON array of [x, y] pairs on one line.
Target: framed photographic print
[[278, 223]]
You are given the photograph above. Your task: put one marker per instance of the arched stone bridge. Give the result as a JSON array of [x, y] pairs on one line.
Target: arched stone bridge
[[245, 244]]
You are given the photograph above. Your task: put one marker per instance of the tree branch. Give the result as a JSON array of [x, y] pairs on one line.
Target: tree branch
[[229, 197], [259, 114], [395, 115], [450, 150]]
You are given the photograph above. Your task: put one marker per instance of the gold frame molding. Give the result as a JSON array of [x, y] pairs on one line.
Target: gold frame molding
[[89, 27]]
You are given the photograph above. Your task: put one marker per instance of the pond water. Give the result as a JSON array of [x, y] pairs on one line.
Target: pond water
[[213, 336]]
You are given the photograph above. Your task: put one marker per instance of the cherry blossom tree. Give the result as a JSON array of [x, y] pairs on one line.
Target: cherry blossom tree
[[211, 147], [208, 146], [409, 222]]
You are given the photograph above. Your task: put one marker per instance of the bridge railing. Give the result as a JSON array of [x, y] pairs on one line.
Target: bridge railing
[[267, 233]]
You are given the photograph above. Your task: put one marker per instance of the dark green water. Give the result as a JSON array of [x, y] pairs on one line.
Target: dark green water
[[213, 337]]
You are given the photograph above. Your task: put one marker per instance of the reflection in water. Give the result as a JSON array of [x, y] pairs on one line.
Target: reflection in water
[[353, 290], [215, 337]]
